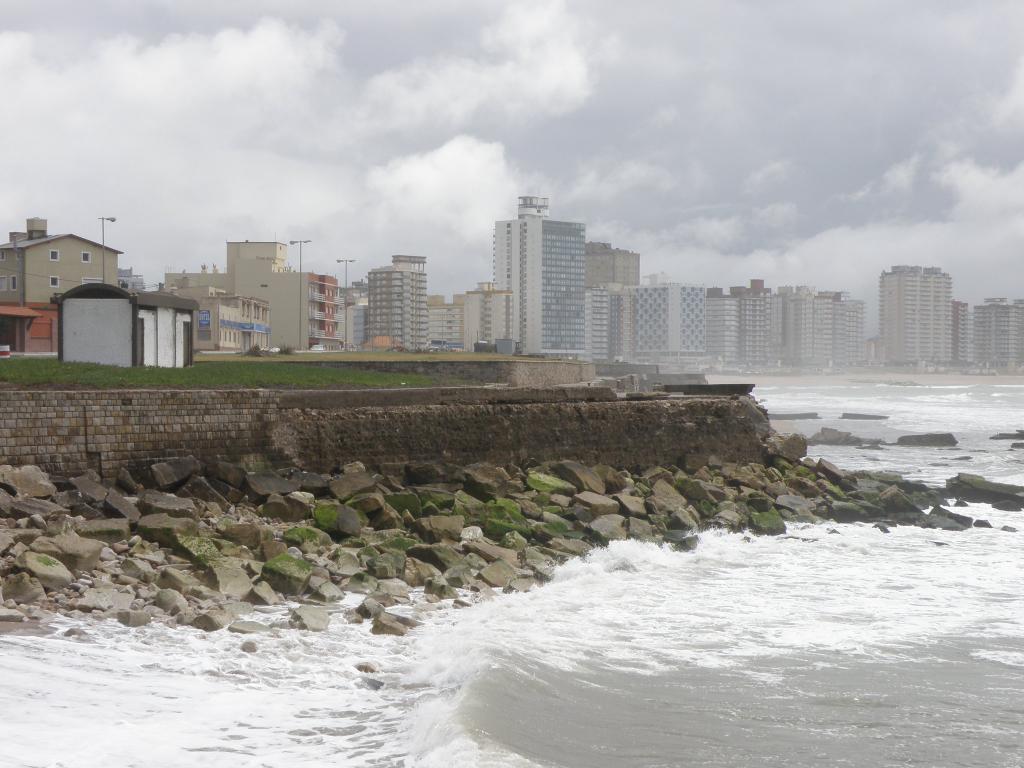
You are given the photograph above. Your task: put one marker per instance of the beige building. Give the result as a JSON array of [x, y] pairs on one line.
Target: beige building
[[446, 321], [606, 266], [228, 323], [487, 315], [35, 266], [915, 310], [306, 306], [396, 310]]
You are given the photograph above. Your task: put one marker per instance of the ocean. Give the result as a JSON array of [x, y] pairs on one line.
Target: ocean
[[834, 645]]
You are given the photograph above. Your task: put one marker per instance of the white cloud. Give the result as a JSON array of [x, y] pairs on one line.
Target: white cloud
[[767, 176], [610, 183], [776, 215]]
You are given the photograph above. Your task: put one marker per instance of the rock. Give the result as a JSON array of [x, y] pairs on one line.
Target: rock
[[327, 592], [441, 556], [213, 620], [264, 594], [228, 473], [387, 624], [598, 505], [229, 579], [471, 533], [6, 541], [830, 471], [492, 552], [633, 506], [126, 482], [933, 439], [28, 507], [287, 575], [767, 523], [90, 489], [171, 474], [609, 527], [640, 529], [681, 540], [438, 528], [28, 481], [118, 507], [485, 481], [156, 502], [310, 617], [198, 550], [104, 598], [22, 588], [728, 516], [970, 487], [339, 519], [199, 487], [582, 477], [50, 572], [249, 535], [514, 540], [104, 529], [170, 601], [829, 436], [249, 646], [175, 578], [247, 628], [498, 574], [439, 587], [896, 503], [346, 486], [11, 616], [981, 523], [956, 521], [545, 483], [683, 519], [77, 553], [132, 618], [260, 485], [362, 583], [853, 512], [303, 537], [367, 667], [789, 447], [284, 508]]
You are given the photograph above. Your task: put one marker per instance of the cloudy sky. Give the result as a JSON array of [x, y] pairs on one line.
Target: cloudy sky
[[799, 141]]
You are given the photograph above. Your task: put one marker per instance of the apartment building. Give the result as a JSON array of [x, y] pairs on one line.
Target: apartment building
[[962, 333], [670, 323], [596, 324], [817, 329], [487, 315], [35, 266], [305, 305], [446, 321], [227, 323], [396, 311], [621, 323], [723, 327], [999, 333], [542, 262], [915, 312], [606, 265]]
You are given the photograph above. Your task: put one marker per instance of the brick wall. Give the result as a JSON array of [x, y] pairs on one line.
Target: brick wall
[[517, 373], [69, 432]]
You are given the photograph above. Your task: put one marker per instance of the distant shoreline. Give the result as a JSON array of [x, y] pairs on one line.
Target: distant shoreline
[[866, 377]]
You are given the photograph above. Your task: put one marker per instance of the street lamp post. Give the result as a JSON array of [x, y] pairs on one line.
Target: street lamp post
[[303, 344], [103, 241], [344, 300]]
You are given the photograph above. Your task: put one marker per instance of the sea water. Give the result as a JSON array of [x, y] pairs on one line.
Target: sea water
[[834, 645]]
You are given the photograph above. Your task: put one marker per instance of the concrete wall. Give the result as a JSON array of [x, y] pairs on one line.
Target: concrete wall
[[517, 373], [98, 331], [69, 432]]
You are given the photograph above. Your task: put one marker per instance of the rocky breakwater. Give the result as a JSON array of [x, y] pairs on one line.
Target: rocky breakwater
[[210, 546]]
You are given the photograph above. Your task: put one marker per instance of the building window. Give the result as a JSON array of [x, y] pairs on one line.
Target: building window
[[54, 282], [54, 255], [3, 283], [14, 283], [86, 257]]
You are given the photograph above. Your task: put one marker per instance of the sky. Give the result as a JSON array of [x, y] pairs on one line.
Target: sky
[[797, 141]]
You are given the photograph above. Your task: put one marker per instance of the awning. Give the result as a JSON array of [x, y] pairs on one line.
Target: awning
[[18, 312]]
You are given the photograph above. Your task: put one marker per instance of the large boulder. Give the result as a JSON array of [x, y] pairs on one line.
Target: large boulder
[[105, 598], [768, 523], [438, 528], [156, 502], [545, 483], [199, 487], [29, 506], [49, 571], [107, 530], [27, 481], [498, 574], [485, 481], [581, 476], [968, 487], [230, 579], [77, 553], [118, 507], [164, 529], [287, 575], [344, 487], [441, 556], [260, 485], [609, 527], [338, 519], [932, 440], [896, 503], [22, 588], [597, 504], [792, 448], [310, 617], [492, 552], [229, 474], [91, 490], [287, 509], [171, 474]]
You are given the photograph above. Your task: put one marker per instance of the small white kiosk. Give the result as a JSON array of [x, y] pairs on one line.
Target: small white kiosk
[[101, 323]]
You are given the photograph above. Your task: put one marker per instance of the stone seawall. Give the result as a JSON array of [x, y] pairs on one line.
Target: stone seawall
[[516, 373], [70, 432]]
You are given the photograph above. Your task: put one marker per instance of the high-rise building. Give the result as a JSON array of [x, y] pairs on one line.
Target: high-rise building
[[446, 321], [670, 323], [487, 315], [621, 323], [542, 261], [739, 324], [962, 333], [848, 345], [396, 313], [723, 327], [607, 265], [818, 329], [596, 324], [999, 333], [306, 306], [915, 312]]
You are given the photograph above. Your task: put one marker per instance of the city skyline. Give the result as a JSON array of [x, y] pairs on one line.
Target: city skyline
[[215, 123]]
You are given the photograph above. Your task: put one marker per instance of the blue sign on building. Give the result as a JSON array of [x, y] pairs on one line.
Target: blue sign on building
[[204, 318]]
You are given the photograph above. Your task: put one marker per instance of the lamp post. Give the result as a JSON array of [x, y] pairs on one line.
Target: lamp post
[[103, 241], [344, 300], [304, 344]]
